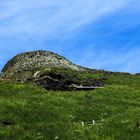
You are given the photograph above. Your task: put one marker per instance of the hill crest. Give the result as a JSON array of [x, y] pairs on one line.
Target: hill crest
[[37, 59]]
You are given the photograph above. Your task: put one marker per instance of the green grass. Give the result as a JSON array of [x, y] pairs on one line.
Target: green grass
[[37, 114]]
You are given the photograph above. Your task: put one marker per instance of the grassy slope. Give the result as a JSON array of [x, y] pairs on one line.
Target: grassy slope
[[47, 115]]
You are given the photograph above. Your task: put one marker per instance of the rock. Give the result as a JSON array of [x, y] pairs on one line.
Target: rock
[[48, 70], [55, 81], [37, 59]]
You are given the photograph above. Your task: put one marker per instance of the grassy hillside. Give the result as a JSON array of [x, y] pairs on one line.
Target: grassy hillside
[[28, 112]]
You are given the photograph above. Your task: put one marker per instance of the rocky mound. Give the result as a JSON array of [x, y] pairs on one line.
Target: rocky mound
[[37, 59], [48, 70]]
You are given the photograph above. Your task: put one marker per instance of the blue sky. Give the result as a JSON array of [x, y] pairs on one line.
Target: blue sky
[[94, 33]]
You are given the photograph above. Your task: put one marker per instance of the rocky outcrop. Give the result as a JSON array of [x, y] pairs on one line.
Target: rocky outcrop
[[48, 70], [61, 80], [37, 59]]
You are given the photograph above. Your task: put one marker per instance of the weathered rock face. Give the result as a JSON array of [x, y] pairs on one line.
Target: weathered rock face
[[36, 59], [64, 79], [48, 70]]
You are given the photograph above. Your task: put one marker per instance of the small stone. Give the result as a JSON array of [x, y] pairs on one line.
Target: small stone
[[56, 138]]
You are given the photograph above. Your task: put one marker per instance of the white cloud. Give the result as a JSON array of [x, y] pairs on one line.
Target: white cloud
[[21, 20], [124, 59], [53, 17]]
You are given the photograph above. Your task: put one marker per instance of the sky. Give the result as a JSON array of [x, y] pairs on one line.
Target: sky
[[97, 34]]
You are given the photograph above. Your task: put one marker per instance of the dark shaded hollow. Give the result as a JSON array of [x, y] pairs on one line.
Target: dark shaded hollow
[[6, 123]]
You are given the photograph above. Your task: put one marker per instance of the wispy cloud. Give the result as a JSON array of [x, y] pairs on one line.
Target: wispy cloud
[[46, 17], [93, 33]]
